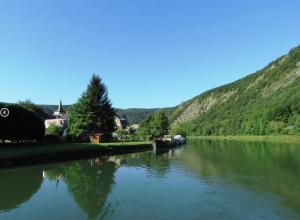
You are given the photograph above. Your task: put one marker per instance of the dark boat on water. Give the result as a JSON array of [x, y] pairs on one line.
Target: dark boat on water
[[168, 142], [162, 144]]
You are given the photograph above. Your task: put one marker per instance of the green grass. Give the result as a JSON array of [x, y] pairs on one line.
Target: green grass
[[270, 138], [7, 151]]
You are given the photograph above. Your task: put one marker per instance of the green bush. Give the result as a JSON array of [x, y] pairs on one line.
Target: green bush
[[54, 130], [275, 127], [178, 131], [292, 132], [154, 126]]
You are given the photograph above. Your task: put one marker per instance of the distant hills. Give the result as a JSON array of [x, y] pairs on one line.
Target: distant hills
[[266, 102], [132, 115]]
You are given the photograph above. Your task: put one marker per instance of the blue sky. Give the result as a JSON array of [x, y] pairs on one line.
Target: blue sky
[[150, 53]]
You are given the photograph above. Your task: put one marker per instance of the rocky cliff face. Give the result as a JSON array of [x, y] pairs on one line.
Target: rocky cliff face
[[200, 106], [238, 103]]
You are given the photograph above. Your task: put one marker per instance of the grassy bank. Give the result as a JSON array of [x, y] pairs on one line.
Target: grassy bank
[[48, 153], [271, 138]]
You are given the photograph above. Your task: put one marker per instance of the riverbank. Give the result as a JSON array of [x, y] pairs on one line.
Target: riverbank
[[269, 138], [13, 156]]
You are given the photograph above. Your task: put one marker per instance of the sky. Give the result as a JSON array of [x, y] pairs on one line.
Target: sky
[[149, 53]]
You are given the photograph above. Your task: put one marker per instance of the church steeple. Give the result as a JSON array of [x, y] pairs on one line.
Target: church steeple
[[60, 112], [60, 108]]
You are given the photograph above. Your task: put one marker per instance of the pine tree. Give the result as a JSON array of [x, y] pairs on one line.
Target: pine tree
[[81, 118], [104, 113], [93, 113]]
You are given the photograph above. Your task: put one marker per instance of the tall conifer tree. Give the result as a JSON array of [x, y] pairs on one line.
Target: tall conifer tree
[[93, 113]]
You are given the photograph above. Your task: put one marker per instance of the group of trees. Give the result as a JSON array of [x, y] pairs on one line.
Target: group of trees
[[126, 135], [157, 124], [154, 126]]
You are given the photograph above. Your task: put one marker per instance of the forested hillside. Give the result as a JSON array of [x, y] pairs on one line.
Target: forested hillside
[[266, 102], [136, 115]]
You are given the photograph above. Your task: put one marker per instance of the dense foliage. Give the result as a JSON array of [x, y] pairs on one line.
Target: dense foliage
[[21, 125], [135, 115], [155, 125], [54, 130], [30, 106], [81, 118], [267, 102], [178, 131], [93, 113]]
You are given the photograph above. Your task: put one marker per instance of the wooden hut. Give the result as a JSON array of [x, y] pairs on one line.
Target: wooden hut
[[96, 138]]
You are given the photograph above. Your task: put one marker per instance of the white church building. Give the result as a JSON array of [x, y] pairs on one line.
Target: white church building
[[61, 118]]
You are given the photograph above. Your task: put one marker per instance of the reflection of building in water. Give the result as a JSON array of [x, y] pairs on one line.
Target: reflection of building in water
[[118, 161], [61, 118], [114, 159], [51, 176]]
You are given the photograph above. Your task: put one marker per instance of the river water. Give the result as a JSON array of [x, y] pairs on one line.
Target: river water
[[203, 180]]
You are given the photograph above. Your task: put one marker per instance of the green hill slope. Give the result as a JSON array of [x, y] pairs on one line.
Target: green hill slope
[[134, 115], [265, 102]]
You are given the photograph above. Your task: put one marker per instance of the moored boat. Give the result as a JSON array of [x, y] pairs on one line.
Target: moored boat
[[168, 142], [158, 143], [178, 140]]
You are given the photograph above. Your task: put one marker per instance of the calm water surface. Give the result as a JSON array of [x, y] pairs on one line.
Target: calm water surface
[[204, 180]]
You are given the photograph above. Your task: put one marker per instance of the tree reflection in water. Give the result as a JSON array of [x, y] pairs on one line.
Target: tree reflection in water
[[18, 186], [240, 167], [89, 182], [155, 164]]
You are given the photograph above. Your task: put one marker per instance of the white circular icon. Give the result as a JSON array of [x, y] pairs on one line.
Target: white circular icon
[[4, 112]]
